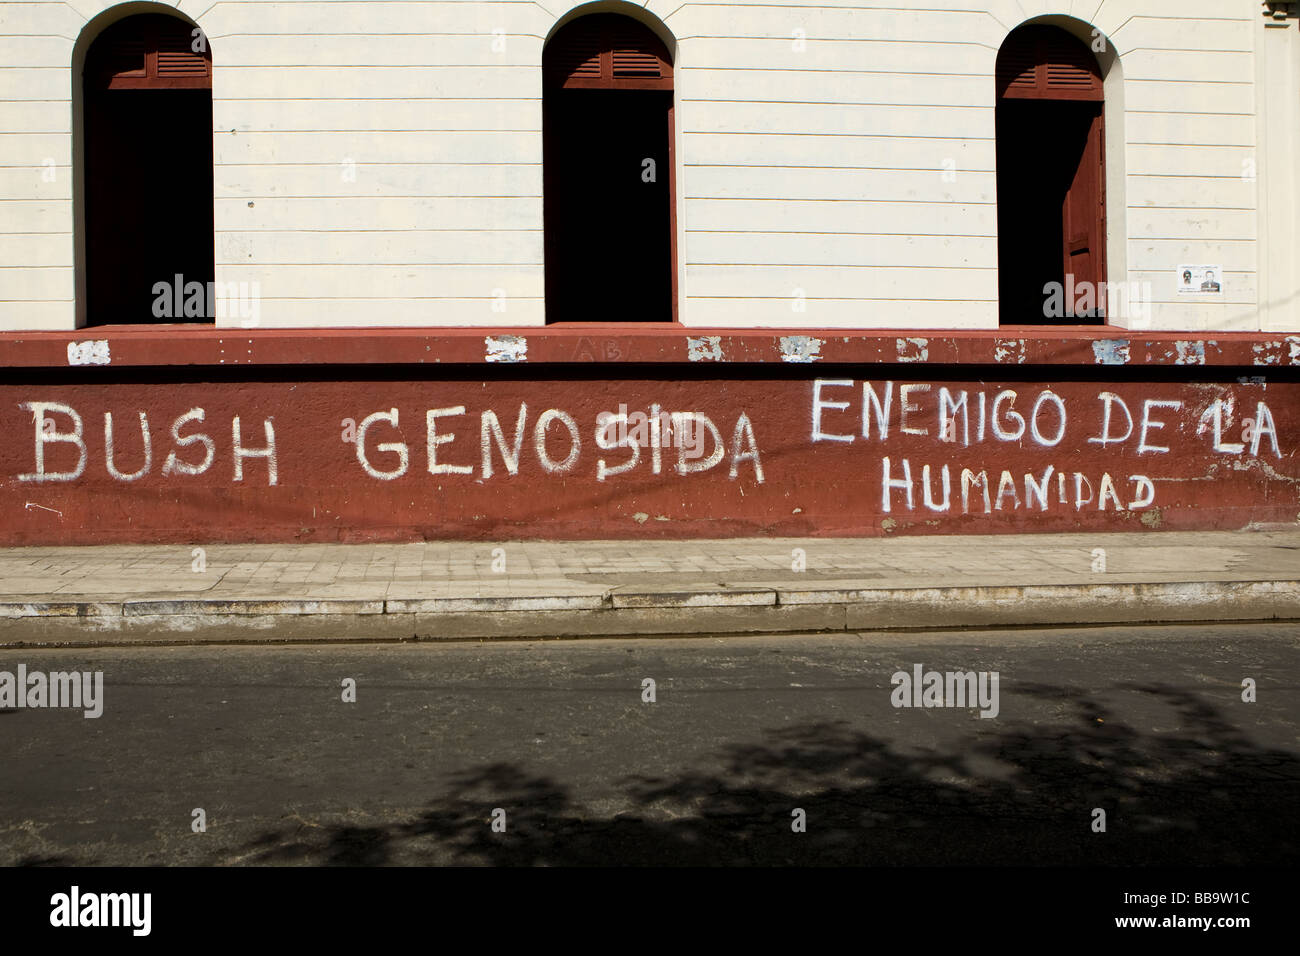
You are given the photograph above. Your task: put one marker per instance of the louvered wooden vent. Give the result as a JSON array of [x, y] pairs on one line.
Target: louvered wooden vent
[[149, 52], [607, 51], [1045, 62]]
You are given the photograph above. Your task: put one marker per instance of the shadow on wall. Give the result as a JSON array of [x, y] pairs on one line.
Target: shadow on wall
[[1201, 794]]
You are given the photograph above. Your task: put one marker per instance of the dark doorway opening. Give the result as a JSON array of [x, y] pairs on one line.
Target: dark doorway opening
[[1050, 179], [1049, 211], [608, 213], [608, 173], [148, 173]]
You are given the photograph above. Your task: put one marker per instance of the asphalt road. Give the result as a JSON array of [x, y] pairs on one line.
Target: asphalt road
[[1147, 724]]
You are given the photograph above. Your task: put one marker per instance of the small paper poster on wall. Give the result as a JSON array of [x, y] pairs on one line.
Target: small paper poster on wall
[[1200, 280]]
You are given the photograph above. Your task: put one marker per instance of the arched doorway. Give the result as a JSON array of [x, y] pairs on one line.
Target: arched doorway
[[147, 102], [1051, 179], [608, 173]]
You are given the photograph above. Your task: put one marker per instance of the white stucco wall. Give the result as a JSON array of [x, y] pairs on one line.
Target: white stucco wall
[[379, 163]]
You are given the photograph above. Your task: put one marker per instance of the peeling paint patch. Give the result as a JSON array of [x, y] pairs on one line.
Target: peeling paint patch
[[705, 348], [888, 525], [90, 352], [640, 517], [1259, 464], [801, 348], [913, 350], [1153, 518], [1110, 351], [1267, 353], [1293, 349], [1190, 353], [1009, 351], [506, 348]]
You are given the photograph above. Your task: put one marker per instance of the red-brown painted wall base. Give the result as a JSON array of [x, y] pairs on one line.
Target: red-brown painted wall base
[[802, 451]]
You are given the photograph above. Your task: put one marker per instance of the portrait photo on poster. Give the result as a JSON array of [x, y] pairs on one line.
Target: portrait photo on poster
[[1200, 280]]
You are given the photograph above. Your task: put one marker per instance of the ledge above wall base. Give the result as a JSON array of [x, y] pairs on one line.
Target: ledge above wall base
[[188, 345]]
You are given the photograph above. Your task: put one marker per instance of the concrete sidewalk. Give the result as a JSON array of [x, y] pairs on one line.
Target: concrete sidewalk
[[441, 590]]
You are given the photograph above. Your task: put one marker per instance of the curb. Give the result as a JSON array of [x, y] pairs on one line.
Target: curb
[[620, 613]]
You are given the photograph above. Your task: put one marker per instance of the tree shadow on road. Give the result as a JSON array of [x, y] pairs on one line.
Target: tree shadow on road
[[1012, 793]]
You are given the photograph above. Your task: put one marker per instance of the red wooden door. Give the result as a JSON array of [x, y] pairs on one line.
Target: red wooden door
[[1083, 214]]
